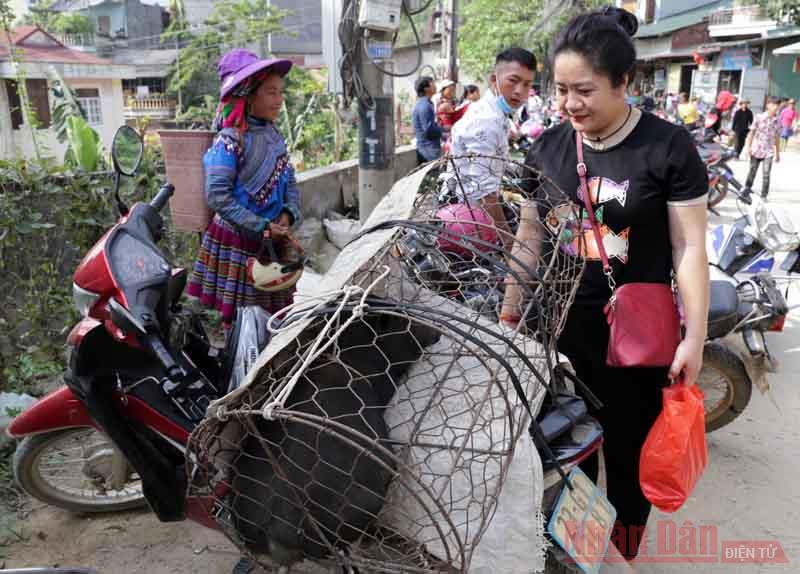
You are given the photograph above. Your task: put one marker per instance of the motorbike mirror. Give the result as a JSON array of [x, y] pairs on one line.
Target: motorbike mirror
[[127, 150]]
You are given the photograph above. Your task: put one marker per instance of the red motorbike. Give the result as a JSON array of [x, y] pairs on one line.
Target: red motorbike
[[141, 373]]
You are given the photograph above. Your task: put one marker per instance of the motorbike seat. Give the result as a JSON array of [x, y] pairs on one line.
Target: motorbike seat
[[723, 310]]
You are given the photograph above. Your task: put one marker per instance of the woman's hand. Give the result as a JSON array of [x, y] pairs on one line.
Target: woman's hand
[[687, 362], [279, 229]]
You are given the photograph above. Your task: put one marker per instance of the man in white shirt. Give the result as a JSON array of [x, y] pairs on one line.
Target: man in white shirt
[[484, 131]]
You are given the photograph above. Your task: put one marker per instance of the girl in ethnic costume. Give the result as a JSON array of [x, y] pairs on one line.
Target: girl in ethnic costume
[[249, 183]]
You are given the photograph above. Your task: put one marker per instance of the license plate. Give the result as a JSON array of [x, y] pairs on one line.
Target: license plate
[[582, 521]]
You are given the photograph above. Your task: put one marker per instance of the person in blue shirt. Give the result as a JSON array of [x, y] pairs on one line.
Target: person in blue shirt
[[428, 132]]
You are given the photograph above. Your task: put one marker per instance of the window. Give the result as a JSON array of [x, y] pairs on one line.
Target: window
[[154, 86], [40, 104], [37, 95], [14, 104], [104, 25], [89, 98]]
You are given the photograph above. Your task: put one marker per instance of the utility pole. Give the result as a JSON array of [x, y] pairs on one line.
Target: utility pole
[[376, 121], [450, 38]]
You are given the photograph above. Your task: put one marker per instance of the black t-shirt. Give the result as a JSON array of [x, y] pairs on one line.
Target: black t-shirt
[[631, 184]]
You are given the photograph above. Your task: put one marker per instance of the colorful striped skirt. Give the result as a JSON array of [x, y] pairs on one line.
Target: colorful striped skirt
[[219, 279]]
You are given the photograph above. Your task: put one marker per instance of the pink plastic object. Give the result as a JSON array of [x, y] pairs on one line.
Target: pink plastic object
[[458, 226], [183, 156]]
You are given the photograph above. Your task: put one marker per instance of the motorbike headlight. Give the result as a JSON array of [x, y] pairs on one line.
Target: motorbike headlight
[[775, 229], [84, 300]]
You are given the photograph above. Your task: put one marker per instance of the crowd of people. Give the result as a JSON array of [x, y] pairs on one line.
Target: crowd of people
[[436, 112]]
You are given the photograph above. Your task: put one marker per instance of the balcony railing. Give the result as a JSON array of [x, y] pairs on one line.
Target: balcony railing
[[739, 15], [153, 106], [76, 40]]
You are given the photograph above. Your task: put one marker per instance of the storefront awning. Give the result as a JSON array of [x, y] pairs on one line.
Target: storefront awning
[[682, 53], [790, 49]]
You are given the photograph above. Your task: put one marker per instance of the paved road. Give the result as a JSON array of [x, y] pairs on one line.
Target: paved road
[[751, 489]]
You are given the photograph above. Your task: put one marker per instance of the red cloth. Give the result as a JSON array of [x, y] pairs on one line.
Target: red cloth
[[725, 100], [447, 119]]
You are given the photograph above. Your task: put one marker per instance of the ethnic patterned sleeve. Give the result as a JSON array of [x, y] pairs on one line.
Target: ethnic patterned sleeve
[[220, 163], [292, 199]]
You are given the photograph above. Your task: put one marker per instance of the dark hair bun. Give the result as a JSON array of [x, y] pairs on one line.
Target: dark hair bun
[[623, 18], [604, 38]]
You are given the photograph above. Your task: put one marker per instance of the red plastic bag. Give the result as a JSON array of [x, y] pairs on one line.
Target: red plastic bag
[[674, 454]]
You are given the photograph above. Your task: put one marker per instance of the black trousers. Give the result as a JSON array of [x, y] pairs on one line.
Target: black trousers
[[741, 137], [766, 169], [631, 403]]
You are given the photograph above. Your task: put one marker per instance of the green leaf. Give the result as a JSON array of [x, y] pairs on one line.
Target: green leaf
[[83, 143]]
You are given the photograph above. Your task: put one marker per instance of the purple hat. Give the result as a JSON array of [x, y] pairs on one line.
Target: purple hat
[[240, 64]]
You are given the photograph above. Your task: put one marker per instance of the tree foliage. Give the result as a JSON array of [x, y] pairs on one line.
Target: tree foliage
[[57, 22], [232, 24], [486, 30], [50, 215], [787, 11]]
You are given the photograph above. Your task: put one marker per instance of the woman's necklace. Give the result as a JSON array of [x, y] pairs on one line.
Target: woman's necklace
[[615, 132]]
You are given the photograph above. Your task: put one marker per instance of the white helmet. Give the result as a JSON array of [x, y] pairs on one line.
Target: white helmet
[[274, 274]]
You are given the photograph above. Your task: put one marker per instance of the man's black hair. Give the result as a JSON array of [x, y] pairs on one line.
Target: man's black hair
[[422, 85], [519, 55]]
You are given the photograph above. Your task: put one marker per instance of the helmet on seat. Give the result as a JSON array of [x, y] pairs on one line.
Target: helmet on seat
[[462, 223]]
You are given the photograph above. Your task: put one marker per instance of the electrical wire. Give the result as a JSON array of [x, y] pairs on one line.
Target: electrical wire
[[416, 39], [348, 64], [349, 33], [420, 10]]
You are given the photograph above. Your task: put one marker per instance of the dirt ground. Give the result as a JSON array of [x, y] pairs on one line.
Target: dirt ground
[[129, 542], [749, 492]]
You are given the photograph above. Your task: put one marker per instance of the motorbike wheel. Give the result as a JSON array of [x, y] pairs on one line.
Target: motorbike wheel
[[717, 193], [726, 385], [74, 469]]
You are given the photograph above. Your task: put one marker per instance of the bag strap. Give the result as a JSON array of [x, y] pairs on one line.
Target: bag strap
[[587, 202]]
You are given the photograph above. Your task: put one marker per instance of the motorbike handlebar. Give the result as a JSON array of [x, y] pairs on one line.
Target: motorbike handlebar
[[156, 346], [160, 200]]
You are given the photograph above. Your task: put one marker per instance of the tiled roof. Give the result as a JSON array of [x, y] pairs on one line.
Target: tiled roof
[[54, 52]]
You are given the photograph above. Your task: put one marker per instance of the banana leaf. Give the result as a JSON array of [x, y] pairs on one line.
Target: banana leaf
[[84, 143]]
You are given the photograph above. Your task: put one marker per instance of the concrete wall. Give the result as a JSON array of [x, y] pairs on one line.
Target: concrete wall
[[335, 187], [197, 11], [112, 103], [115, 12], [304, 26], [144, 21]]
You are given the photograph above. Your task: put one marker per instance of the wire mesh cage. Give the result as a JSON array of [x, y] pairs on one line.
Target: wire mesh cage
[[380, 429]]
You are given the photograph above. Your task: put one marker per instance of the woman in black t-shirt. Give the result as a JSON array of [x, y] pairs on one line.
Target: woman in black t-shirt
[[648, 187]]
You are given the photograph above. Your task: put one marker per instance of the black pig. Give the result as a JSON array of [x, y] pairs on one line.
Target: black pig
[[326, 489]]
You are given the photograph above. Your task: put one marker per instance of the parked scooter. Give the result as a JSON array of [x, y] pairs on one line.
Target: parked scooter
[[721, 180], [745, 299], [141, 373]]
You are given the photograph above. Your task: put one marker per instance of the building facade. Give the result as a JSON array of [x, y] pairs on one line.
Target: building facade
[[701, 48], [96, 82]]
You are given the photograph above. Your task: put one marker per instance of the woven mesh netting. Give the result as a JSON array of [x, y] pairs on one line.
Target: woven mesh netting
[[382, 423]]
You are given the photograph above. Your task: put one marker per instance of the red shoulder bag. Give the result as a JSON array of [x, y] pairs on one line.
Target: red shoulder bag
[[643, 318]]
